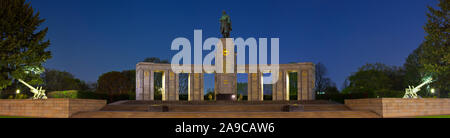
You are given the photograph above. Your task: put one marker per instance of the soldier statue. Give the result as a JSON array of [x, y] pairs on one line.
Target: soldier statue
[[225, 25]]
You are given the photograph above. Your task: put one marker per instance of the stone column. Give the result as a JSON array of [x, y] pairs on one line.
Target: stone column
[[202, 86], [152, 85], [260, 92], [282, 86], [146, 94], [172, 94], [196, 80], [279, 88], [139, 85], [304, 85], [165, 85], [249, 86], [254, 87], [311, 82], [191, 87], [275, 89], [299, 85], [177, 86]]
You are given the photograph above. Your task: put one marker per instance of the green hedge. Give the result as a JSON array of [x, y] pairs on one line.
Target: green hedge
[[267, 97], [183, 97], [63, 94], [340, 97], [109, 98], [14, 96], [293, 97]]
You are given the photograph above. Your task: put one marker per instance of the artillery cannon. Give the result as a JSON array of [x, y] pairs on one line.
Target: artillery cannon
[[411, 91], [38, 92]]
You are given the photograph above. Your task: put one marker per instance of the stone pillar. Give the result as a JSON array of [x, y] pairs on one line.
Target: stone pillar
[[172, 83], [255, 87], [147, 85], [260, 92], [152, 85], [299, 85], [177, 86], [196, 83], [311, 82], [249, 86], [202, 86], [139, 85], [304, 87], [287, 85], [279, 88], [165, 85], [275, 89]]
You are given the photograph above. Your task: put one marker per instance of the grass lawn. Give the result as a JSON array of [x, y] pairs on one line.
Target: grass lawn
[[435, 116]]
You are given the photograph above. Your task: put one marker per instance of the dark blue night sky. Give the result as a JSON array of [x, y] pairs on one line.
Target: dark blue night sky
[[91, 37]]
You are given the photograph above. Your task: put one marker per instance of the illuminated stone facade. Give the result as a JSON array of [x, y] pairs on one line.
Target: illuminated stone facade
[[224, 83]]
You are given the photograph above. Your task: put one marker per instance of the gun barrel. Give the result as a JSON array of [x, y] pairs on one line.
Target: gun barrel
[[26, 84], [422, 84]]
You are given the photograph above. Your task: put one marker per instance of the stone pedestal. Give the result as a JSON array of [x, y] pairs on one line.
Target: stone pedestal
[[226, 82], [401, 107], [50, 108]]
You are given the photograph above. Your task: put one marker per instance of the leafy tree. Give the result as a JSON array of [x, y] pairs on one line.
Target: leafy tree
[[131, 77], [413, 70], [158, 85], [155, 60], [434, 55], [293, 94], [113, 83], [331, 90], [209, 94], [55, 80], [183, 86], [377, 80], [22, 44], [242, 88]]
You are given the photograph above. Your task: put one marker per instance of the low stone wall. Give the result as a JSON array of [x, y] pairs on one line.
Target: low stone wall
[[399, 107], [50, 108]]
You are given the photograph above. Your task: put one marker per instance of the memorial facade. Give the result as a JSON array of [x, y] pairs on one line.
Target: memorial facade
[[225, 83]]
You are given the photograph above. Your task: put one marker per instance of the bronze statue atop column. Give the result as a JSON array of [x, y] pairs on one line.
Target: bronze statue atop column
[[225, 25]]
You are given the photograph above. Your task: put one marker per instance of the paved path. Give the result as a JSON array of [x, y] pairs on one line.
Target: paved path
[[311, 114]]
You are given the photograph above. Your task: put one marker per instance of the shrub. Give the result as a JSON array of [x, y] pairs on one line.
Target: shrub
[[267, 97], [63, 94], [109, 98], [91, 95], [384, 93], [293, 97], [340, 97], [17, 96], [21, 96], [183, 97]]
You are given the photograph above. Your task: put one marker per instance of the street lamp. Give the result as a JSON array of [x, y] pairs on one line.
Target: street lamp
[[17, 91]]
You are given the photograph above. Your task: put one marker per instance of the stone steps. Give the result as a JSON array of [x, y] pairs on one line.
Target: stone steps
[[227, 108], [306, 114], [325, 107], [142, 108], [142, 102]]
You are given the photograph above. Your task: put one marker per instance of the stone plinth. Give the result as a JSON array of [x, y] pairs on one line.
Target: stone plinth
[[399, 107], [51, 108], [226, 82]]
